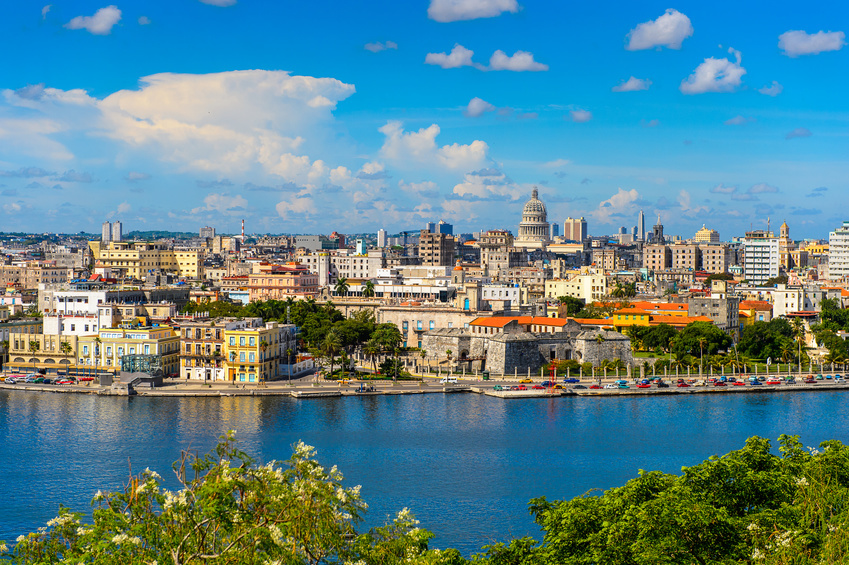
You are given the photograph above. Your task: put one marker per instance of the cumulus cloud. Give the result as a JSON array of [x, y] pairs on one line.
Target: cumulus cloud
[[798, 132], [144, 20], [715, 75], [669, 30], [420, 147], [490, 184], [425, 189], [722, 189], [773, 89], [797, 42], [301, 205], [11, 207], [373, 171], [687, 207], [519, 61], [738, 121], [477, 107], [44, 11], [580, 116], [633, 84], [222, 203], [74, 176], [100, 23], [27, 172], [377, 46], [459, 57], [623, 203], [455, 10]]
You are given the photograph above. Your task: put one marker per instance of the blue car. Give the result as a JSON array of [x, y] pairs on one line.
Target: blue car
[[571, 380], [756, 383]]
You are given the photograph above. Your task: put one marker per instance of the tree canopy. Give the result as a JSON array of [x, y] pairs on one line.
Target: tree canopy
[[700, 338]]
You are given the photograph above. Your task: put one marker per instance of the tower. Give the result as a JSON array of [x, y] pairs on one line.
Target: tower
[[641, 226], [106, 233]]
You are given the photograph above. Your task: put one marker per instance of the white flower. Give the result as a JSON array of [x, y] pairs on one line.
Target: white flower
[[753, 527], [119, 538], [757, 554], [61, 520], [3, 548], [19, 539], [153, 474], [802, 482]]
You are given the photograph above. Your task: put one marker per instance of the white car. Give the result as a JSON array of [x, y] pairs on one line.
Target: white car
[[611, 385], [448, 380]]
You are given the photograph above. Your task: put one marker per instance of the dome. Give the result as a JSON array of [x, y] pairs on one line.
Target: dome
[[534, 205]]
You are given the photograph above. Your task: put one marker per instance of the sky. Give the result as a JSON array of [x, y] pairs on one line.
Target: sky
[[355, 115]]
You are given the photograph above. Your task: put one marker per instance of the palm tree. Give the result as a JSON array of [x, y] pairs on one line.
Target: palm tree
[[799, 333], [233, 364], [34, 346], [97, 342], [263, 345], [372, 350], [332, 344], [342, 286], [368, 289]]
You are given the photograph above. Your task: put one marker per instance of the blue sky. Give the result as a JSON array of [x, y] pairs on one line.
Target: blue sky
[[309, 117]]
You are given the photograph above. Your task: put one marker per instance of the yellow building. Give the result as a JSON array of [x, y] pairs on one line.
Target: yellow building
[[253, 355], [117, 342], [627, 317], [135, 259]]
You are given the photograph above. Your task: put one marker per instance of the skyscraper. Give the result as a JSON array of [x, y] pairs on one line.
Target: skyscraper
[[106, 233], [381, 238], [117, 231], [641, 226], [575, 229]]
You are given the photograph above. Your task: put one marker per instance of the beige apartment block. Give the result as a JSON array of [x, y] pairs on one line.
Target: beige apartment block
[[657, 257], [686, 256], [587, 286], [134, 259]]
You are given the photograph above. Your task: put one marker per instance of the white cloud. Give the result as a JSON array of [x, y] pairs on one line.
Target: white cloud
[[519, 61], [100, 23], [219, 3], [580, 116], [633, 84], [44, 11], [459, 57], [797, 42], [478, 107], [557, 163], [715, 75], [425, 189], [377, 46], [668, 30], [761, 188], [299, 169], [133, 176], [739, 121], [224, 122], [222, 203], [420, 147], [490, 183], [772, 90], [687, 208], [722, 189], [144, 20], [798, 132], [455, 10], [624, 202], [301, 205], [124, 207]]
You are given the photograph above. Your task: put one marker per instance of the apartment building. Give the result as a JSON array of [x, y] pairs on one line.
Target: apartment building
[[279, 282], [760, 256], [657, 257], [436, 249], [716, 258], [838, 252], [586, 285], [31, 274], [258, 354], [135, 259], [686, 256]]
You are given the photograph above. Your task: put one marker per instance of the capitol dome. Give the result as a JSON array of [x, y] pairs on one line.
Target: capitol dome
[[534, 229], [534, 206]]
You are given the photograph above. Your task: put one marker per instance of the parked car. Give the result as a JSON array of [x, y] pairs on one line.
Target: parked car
[[622, 386], [448, 380], [497, 387], [521, 387], [755, 383], [48, 380], [595, 386], [514, 387], [682, 385], [526, 381], [537, 387], [719, 383], [773, 382], [611, 385], [738, 383], [809, 380], [571, 380], [819, 377], [839, 380]]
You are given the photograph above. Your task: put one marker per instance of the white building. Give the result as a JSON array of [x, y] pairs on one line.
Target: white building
[[838, 252], [796, 299], [760, 256], [381, 238], [587, 285], [346, 263]]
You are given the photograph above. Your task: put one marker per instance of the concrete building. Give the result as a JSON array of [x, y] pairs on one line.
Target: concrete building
[[381, 238], [838, 253], [706, 235], [498, 252], [534, 230], [436, 249], [587, 285], [346, 263], [279, 282], [716, 258], [657, 257], [761, 258], [207, 232], [686, 256], [575, 229], [31, 274], [136, 259], [640, 235], [656, 237]]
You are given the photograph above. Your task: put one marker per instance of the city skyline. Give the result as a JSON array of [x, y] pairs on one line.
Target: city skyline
[[334, 116]]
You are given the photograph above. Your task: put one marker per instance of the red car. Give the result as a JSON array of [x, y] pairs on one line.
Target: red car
[[739, 383], [683, 385], [773, 382], [719, 383], [538, 387], [641, 385], [522, 387], [595, 386], [810, 381]]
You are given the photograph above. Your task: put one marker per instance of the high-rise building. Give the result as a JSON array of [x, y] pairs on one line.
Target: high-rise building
[[641, 226], [760, 256], [207, 232], [117, 231], [106, 233], [575, 229], [436, 249], [555, 230], [431, 227], [838, 252], [381, 238], [444, 227]]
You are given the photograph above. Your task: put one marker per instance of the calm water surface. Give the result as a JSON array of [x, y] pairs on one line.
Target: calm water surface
[[465, 464]]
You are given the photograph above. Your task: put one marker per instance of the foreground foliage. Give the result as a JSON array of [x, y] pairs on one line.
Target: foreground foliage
[[749, 506]]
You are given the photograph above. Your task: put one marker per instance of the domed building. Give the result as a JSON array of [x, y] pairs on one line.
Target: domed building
[[534, 229]]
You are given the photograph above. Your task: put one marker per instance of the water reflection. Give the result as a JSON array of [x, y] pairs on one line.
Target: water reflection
[[466, 464]]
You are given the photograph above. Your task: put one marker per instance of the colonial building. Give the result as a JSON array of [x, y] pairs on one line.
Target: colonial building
[[534, 230]]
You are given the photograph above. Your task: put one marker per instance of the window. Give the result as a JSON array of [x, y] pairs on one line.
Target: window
[[242, 356], [418, 324], [252, 341], [431, 326], [251, 357], [73, 327], [232, 340], [85, 349], [132, 351], [120, 351], [109, 350], [242, 340]]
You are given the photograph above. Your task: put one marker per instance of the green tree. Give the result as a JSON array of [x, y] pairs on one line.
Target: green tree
[[228, 510], [341, 287], [700, 338], [34, 346], [573, 305], [5, 345], [368, 289]]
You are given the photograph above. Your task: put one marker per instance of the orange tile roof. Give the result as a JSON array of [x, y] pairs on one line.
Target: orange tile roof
[[631, 311], [679, 306], [755, 305], [494, 322], [593, 322], [678, 320]]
